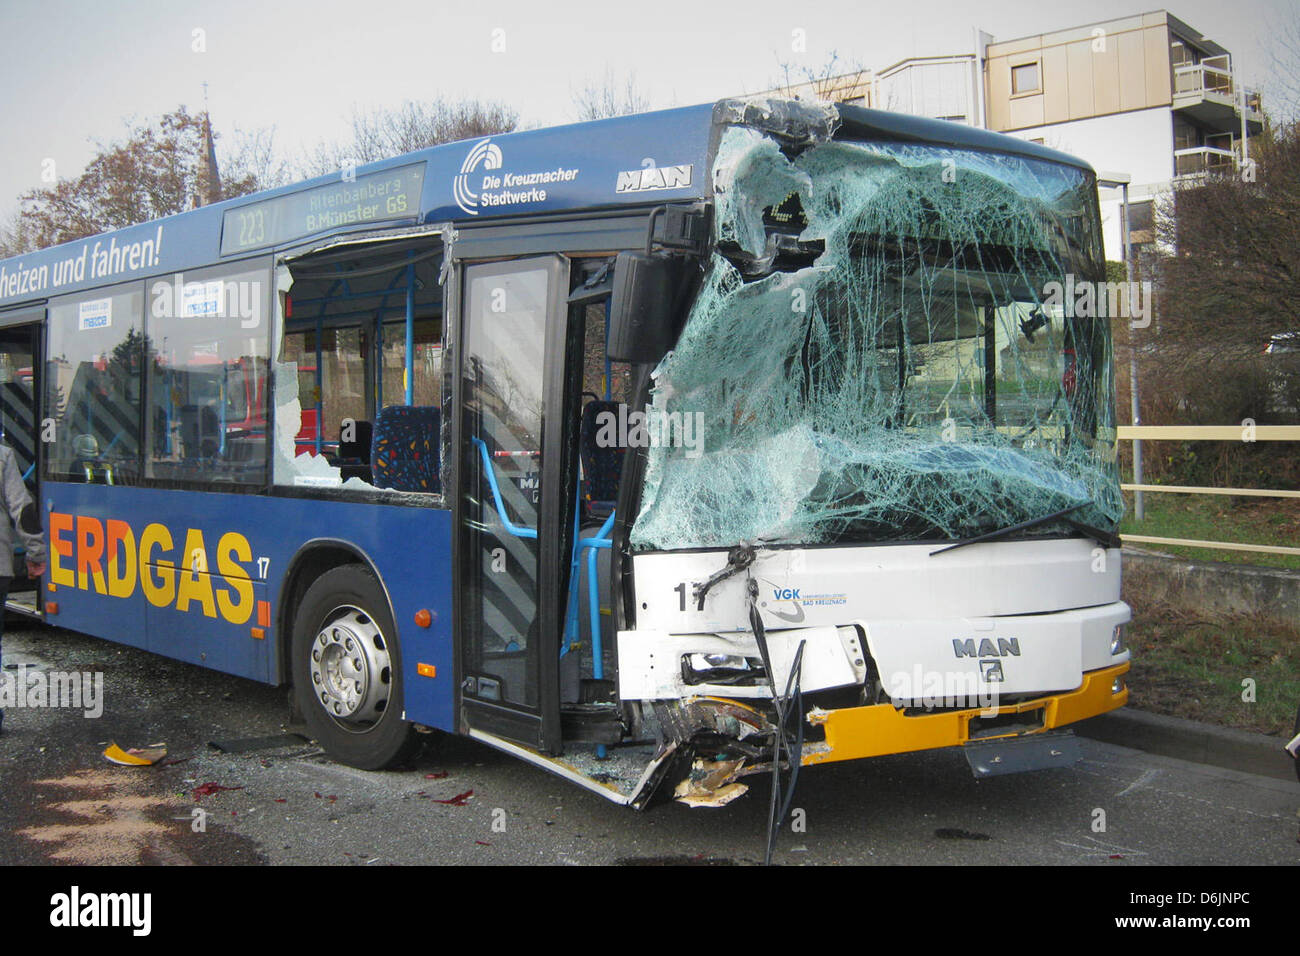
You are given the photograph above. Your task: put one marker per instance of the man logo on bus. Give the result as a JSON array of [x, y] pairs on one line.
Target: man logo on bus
[[485, 153]]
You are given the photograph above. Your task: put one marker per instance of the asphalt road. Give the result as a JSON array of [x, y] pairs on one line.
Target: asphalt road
[[64, 803]]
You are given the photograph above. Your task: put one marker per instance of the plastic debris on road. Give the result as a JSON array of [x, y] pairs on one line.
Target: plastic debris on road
[[136, 756]]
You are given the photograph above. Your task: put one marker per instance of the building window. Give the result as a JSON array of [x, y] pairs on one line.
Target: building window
[[1141, 220], [1024, 78]]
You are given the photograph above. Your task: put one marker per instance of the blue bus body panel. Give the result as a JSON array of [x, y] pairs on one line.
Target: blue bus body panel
[[203, 616], [566, 168], [584, 166]]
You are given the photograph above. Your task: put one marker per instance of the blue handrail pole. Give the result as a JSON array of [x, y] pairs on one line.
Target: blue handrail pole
[[593, 605], [410, 330], [601, 541], [570, 619], [517, 530], [571, 609]]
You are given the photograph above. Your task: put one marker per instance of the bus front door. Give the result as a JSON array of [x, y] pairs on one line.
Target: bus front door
[[20, 427], [510, 498]]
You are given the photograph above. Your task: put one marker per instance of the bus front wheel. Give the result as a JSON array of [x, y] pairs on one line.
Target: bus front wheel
[[347, 670]]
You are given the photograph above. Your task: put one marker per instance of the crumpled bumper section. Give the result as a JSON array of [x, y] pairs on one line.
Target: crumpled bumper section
[[880, 729]]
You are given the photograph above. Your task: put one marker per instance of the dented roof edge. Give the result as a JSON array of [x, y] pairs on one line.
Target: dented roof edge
[[806, 122], [857, 122], [802, 122]]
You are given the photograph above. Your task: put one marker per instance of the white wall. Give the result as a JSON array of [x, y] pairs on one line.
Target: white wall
[[929, 89], [1140, 143]]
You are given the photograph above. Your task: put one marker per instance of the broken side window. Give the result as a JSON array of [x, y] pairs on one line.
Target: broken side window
[[348, 411]]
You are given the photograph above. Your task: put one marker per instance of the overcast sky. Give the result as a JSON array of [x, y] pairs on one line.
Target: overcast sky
[[74, 70]]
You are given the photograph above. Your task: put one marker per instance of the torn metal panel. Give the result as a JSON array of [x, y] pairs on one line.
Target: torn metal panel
[[359, 239], [686, 720], [712, 741], [796, 121], [711, 783]]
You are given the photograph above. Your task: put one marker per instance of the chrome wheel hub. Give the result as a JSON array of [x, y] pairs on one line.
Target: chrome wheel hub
[[351, 672]]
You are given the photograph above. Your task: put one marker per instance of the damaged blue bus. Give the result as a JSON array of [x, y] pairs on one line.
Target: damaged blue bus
[[658, 451]]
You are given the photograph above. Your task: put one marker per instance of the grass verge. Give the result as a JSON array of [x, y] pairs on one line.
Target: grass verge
[[1185, 665], [1274, 521]]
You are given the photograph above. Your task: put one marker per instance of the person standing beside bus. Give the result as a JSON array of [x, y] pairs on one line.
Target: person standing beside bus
[[26, 520]]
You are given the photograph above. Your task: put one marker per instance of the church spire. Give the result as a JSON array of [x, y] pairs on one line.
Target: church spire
[[209, 184]]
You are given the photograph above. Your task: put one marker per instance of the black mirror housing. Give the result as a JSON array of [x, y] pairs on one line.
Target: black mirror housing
[[643, 320]]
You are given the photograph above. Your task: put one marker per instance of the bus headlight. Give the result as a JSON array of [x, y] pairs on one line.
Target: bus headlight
[[1117, 645]]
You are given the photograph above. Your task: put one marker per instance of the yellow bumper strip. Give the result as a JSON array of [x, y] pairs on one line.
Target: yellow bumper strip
[[880, 729]]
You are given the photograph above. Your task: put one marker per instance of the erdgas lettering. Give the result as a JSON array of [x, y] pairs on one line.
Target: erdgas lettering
[[111, 558]]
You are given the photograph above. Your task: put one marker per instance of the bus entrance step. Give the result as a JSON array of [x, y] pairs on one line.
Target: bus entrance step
[[591, 723], [23, 602], [991, 758]]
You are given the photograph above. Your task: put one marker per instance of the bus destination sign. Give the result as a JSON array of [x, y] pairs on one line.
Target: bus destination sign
[[391, 194]]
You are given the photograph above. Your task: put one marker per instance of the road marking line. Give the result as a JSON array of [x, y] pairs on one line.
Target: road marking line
[[1146, 777]]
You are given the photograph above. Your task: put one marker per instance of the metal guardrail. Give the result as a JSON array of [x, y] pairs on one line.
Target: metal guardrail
[[1287, 433]]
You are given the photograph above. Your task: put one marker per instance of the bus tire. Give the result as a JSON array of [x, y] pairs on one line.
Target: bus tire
[[347, 670]]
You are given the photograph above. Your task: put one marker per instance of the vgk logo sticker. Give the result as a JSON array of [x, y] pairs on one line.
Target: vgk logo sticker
[[783, 595], [486, 154]]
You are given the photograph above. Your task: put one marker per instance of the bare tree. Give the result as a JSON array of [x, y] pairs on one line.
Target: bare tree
[[1227, 287], [609, 96], [416, 124], [16, 237], [253, 159], [160, 168], [1282, 94], [835, 81]]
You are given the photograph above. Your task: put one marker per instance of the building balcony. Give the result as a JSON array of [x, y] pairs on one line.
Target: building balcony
[[1199, 161], [1206, 92]]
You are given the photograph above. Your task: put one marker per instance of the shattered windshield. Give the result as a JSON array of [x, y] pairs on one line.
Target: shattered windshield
[[879, 352]]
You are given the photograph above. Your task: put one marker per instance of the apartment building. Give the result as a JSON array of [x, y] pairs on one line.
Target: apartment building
[[1146, 96]]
